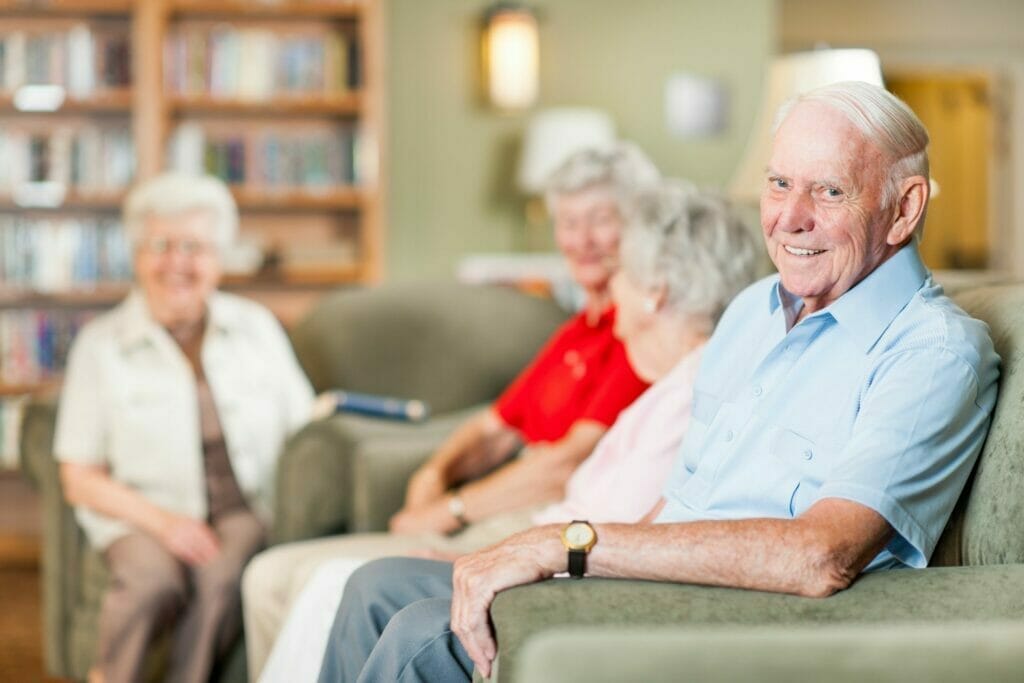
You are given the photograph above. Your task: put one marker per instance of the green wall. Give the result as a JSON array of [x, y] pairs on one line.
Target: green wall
[[451, 161]]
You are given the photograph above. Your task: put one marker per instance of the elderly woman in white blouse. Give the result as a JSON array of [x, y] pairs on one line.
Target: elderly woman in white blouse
[[174, 409]]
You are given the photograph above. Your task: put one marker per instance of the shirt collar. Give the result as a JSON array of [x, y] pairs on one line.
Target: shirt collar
[[138, 325], [866, 311]]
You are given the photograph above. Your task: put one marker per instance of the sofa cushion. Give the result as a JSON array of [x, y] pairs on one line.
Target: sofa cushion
[[987, 526]]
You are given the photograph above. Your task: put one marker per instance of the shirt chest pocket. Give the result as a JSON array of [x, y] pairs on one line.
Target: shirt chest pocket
[[800, 468], [150, 434], [703, 414]]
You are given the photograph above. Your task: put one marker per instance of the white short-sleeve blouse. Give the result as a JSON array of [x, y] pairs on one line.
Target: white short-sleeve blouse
[[129, 404]]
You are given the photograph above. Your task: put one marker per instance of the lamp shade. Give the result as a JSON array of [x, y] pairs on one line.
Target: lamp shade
[[512, 57], [553, 135], [788, 76]]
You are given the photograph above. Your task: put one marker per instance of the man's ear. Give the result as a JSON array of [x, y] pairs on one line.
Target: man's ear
[[913, 198]]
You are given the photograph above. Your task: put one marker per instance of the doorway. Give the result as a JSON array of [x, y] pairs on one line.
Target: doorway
[[957, 109]]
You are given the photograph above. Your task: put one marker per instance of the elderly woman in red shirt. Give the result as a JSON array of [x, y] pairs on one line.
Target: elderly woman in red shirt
[[553, 414]]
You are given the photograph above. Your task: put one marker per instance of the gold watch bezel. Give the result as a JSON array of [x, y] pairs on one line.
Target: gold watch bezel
[[569, 545]]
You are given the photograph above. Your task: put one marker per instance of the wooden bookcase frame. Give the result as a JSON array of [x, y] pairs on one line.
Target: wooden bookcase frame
[[154, 111]]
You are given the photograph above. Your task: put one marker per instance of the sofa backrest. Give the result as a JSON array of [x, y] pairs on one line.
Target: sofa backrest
[[987, 526], [451, 345]]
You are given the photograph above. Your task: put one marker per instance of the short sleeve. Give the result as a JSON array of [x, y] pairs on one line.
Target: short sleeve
[[922, 422], [81, 429], [619, 388]]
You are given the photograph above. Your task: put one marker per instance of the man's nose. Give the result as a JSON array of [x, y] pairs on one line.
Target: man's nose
[[797, 213]]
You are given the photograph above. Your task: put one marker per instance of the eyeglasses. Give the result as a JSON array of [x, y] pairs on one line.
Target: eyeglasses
[[187, 247]]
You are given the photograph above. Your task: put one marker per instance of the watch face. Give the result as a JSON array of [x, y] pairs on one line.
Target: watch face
[[579, 535]]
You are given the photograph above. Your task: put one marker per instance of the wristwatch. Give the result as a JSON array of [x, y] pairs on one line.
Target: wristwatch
[[457, 508], [578, 537]]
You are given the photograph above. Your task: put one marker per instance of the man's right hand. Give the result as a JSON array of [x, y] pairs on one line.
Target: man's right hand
[[426, 486], [189, 540]]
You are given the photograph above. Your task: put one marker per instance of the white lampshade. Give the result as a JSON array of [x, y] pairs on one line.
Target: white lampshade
[[553, 135], [788, 76]]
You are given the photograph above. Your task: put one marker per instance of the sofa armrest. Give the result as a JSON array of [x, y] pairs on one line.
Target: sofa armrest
[[349, 472], [841, 653], [926, 595]]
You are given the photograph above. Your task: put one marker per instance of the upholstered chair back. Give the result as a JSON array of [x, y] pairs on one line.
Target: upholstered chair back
[[445, 343], [987, 526]]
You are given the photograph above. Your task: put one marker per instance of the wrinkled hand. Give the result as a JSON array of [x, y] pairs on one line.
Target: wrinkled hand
[[431, 518], [189, 540], [527, 557], [426, 486]]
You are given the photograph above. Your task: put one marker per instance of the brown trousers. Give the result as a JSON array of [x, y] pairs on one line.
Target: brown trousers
[[150, 589]]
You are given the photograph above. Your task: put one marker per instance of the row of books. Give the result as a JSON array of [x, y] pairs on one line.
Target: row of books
[[11, 410], [34, 343], [272, 156], [84, 59], [52, 254], [260, 63], [89, 157]]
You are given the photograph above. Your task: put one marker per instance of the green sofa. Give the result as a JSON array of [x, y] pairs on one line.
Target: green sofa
[[453, 346], [961, 619]]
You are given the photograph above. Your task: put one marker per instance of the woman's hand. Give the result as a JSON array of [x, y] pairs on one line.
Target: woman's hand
[[432, 518], [426, 486], [190, 540]]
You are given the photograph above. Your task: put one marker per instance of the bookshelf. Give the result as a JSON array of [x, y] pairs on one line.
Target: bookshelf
[[282, 98]]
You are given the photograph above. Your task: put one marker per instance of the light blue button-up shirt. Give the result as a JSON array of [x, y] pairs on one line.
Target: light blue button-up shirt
[[882, 398]]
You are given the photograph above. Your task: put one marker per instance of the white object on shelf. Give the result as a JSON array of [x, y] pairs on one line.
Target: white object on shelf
[[519, 269]]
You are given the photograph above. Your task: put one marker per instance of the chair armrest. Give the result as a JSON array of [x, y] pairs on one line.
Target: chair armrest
[[926, 595], [63, 543], [348, 473], [843, 653]]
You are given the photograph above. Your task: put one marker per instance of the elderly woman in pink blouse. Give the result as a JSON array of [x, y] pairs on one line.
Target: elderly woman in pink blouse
[[684, 255]]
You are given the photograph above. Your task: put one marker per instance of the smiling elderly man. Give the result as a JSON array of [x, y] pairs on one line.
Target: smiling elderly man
[[838, 411]]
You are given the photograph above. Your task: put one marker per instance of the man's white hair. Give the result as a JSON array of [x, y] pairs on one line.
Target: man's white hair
[[884, 119], [693, 244], [171, 194], [623, 169]]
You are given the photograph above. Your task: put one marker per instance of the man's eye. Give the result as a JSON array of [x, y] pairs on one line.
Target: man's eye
[[778, 182], [833, 192]]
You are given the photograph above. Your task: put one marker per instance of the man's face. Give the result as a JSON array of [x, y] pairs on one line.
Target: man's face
[[821, 211]]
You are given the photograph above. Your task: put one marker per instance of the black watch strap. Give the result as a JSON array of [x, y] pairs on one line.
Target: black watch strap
[[577, 563]]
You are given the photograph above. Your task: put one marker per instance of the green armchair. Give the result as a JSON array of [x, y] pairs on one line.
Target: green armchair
[[453, 346], [961, 619]]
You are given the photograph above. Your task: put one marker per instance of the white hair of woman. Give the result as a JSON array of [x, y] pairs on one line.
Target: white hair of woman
[[884, 119], [174, 193], [691, 243], [623, 169]]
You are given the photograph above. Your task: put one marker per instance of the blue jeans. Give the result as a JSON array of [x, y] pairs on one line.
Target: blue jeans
[[394, 625]]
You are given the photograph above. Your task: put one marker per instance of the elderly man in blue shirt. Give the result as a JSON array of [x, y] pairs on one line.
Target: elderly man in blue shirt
[[838, 411]]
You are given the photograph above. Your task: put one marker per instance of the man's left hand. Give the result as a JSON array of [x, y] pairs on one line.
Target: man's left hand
[[527, 557]]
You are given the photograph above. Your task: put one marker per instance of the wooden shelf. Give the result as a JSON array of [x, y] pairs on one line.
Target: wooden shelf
[[101, 295], [295, 278], [114, 101], [66, 7], [280, 9], [264, 199], [110, 201], [346, 104], [45, 386]]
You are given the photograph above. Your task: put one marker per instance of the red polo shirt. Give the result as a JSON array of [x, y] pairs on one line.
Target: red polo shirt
[[581, 374]]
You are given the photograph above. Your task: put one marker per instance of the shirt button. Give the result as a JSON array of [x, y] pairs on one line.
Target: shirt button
[[729, 435], [808, 454], [758, 391]]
